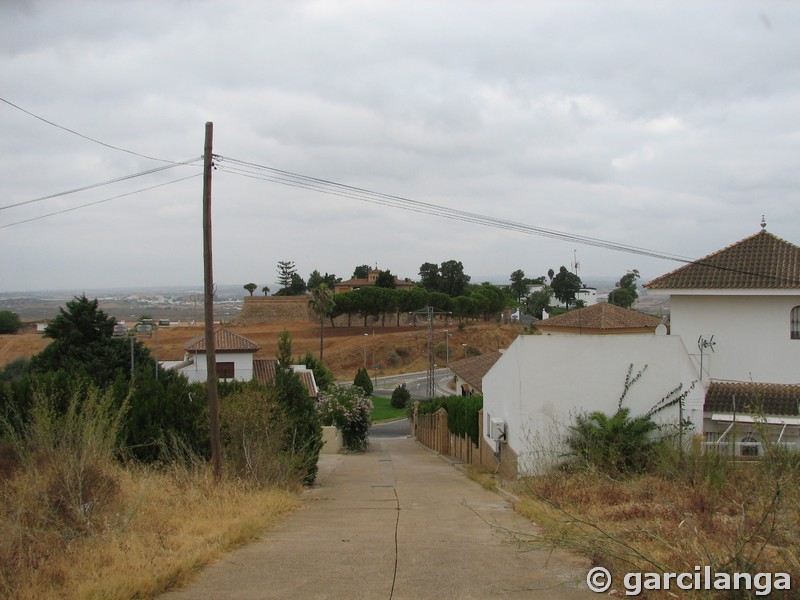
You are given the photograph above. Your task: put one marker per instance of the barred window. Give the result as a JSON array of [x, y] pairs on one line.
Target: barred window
[[225, 370], [795, 323]]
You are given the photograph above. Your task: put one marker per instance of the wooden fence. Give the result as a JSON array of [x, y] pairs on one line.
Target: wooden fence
[[431, 430]]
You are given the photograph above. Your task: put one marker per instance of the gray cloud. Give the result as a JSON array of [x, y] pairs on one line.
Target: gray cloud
[[667, 126]]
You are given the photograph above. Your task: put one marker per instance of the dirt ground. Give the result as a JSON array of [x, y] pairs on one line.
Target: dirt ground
[[394, 349]]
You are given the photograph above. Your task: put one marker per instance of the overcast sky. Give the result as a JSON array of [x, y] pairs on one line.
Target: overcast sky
[[670, 126]]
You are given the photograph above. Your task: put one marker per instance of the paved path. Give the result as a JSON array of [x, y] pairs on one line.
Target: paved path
[[395, 523]]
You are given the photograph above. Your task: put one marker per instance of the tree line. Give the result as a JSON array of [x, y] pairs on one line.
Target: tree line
[[444, 286]]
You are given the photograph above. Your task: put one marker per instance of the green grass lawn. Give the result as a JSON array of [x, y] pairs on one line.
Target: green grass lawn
[[382, 410]]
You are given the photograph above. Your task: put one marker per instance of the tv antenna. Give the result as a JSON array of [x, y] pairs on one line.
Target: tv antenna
[[704, 344]]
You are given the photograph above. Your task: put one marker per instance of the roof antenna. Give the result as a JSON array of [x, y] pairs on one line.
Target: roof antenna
[[763, 224]]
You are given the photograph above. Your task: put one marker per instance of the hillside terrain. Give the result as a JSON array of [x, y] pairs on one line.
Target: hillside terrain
[[393, 349]]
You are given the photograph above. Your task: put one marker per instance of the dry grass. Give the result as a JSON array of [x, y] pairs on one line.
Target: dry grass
[[160, 528], [76, 523], [731, 517], [397, 350]]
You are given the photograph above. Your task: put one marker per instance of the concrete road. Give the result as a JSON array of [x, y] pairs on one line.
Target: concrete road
[[394, 523], [417, 384], [391, 429]]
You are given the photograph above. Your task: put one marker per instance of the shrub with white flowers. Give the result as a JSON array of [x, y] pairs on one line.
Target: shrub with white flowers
[[350, 410]]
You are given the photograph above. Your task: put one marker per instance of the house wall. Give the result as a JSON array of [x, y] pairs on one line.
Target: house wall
[[751, 335], [541, 382], [242, 365]]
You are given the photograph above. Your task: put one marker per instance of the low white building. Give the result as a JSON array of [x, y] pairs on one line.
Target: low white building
[[235, 360], [541, 383]]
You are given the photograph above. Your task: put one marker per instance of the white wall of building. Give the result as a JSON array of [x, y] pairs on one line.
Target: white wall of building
[[541, 382], [242, 364], [751, 334]]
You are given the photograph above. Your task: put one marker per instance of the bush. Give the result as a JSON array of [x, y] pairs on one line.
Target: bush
[[400, 397], [9, 322], [363, 381], [253, 429], [462, 414], [72, 454], [350, 410]]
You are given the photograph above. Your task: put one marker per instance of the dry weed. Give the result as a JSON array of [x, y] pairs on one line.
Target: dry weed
[[166, 525]]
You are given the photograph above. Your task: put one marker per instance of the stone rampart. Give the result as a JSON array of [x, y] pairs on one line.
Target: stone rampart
[[275, 309]]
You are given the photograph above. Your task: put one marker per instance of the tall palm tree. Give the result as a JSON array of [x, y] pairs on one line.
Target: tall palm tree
[[322, 304]]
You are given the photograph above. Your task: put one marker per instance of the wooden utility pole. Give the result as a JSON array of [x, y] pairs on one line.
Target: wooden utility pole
[[208, 307]]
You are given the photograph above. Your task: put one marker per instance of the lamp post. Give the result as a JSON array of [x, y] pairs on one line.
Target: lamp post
[[447, 347], [465, 350], [366, 335]]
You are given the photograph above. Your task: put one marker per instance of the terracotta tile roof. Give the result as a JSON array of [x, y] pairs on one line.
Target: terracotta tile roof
[[761, 261], [264, 370], [758, 398], [264, 373], [473, 369], [225, 340], [601, 317]]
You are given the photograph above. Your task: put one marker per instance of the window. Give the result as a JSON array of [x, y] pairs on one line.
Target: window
[[795, 323], [749, 446], [225, 370]]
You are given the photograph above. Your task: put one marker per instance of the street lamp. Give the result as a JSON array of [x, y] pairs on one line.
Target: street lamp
[[366, 335], [465, 350], [447, 347]]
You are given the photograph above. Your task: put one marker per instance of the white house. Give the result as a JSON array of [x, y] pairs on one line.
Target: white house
[[747, 298], [236, 360], [734, 333]]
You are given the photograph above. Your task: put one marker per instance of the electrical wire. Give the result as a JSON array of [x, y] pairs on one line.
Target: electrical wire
[[66, 210], [288, 178], [102, 183], [324, 186], [86, 137]]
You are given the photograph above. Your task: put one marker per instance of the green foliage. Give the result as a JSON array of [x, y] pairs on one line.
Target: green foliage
[[565, 286], [303, 439], [616, 444], [83, 343], [314, 280], [322, 374], [620, 443], [519, 284], [15, 369], [462, 414], [9, 322], [363, 381], [625, 294], [250, 287], [489, 300], [350, 410], [540, 301], [72, 448], [453, 279], [430, 279], [386, 280], [361, 272], [400, 397], [254, 430], [84, 348]]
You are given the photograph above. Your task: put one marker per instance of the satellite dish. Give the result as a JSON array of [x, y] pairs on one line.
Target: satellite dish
[[661, 329]]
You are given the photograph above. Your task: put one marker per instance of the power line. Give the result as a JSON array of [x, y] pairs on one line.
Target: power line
[[288, 178], [102, 183], [324, 186], [66, 210], [86, 137]]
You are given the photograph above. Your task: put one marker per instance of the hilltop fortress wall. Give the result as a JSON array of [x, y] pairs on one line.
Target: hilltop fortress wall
[[275, 309]]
